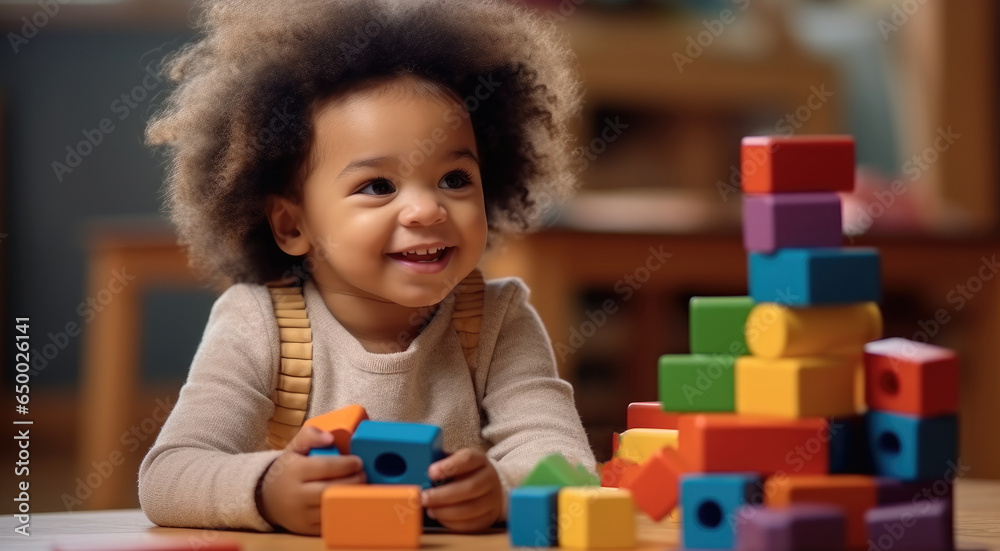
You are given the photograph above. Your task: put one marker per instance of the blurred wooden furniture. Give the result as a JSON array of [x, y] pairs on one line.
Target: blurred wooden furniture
[[560, 264], [977, 526], [110, 371]]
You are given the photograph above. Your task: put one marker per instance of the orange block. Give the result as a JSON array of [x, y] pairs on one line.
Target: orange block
[[614, 472], [650, 415], [910, 377], [854, 494], [746, 443], [371, 515], [342, 423], [776, 164], [655, 486]]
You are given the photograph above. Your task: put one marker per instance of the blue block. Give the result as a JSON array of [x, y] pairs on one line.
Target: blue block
[[332, 450], [397, 453], [532, 516], [849, 451], [710, 503], [805, 277], [912, 448]]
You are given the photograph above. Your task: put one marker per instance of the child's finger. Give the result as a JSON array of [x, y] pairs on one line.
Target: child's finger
[[461, 462], [312, 492], [471, 487], [309, 437], [464, 511], [329, 468]]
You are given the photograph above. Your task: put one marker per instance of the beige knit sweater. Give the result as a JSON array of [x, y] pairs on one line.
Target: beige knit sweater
[[203, 469]]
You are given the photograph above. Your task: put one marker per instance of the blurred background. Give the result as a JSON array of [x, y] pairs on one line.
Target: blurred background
[[671, 87]]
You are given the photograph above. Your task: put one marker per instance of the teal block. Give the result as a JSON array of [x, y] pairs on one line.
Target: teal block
[[711, 503], [717, 325], [397, 453], [697, 382], [912, 448], [806, 277], [332, 450], [532, 516], [555, 470]]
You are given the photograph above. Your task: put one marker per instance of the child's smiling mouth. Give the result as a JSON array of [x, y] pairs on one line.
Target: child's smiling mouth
[[423, 260]]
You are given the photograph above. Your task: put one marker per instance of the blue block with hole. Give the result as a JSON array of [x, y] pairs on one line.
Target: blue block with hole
[[532, 516], [397, 453], [805, 277], [910, 447], [710, 503]]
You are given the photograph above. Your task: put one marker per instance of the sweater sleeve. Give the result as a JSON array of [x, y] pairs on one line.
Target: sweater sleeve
[[529, 410], [203, 469]]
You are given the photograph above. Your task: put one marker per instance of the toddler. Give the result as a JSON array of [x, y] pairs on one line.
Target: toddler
[[365, 154]]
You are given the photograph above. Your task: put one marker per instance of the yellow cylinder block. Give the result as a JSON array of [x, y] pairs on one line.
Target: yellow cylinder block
[[776, 331]]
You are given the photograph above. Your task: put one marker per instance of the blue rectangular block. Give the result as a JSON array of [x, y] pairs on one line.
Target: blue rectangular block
[[332, 450], [711, 503], [806, 277], [397, 453], [849, 451], [532, 518], [912, 448]]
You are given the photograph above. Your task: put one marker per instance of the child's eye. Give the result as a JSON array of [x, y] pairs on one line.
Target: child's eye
[[378, 186], [456, 179]]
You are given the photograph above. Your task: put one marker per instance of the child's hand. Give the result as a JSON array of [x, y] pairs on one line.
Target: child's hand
[[294, 483], [472, 500]]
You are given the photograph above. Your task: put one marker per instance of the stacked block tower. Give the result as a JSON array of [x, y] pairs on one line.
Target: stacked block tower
[[790, 425]]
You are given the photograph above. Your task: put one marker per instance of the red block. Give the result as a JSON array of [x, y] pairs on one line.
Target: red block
[[654, 487], [910, 377], [650, 415], [741, 443], [774, 164], [617, 471]]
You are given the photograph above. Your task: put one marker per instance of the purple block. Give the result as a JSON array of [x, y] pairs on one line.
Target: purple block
[[924, 526], [773, 221], [893, 490], [795, 528]]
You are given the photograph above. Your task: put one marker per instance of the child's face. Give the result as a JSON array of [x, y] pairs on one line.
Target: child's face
[[393, 173]]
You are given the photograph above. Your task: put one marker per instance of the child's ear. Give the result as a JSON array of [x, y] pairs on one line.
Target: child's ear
[[284, 216]]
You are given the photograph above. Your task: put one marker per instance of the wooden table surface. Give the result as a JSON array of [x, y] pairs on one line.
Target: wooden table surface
[[977, 523]]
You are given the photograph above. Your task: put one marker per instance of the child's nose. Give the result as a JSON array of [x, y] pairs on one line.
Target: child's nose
[[423, 209]]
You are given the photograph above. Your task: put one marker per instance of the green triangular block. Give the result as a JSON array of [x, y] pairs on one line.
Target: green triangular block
[[555, 470]]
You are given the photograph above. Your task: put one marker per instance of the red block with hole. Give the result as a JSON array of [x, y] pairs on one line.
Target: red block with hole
[[654, 486], [747, 443], [913, 378], [776, 164], [650, 415]]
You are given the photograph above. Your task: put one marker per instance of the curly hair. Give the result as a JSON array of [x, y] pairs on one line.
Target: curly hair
[[238, 127]]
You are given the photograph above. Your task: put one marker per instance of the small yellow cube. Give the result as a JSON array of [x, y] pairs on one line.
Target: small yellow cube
[[636, 445], [596, 518]]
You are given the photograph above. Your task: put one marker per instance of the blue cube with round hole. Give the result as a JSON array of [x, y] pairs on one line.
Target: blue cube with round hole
[[532, 516], [910, 447], [397, 453], [711, 503]]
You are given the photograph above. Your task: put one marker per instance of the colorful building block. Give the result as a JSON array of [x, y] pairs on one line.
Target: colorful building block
[[696, 382], [365, 515], [745, 443], [809, 277], [649, 415], [397, 453], [777, 331], [655, 486], [855, 494], [894, 490], [773, 221], [555, 470], [596, 518], [914, 527], [711, 504], [617, 471], [532, 516], [912, 448], [342, 423], [849, 451], [814, 386], [717, 324], [795, 528], [772, 164], [636, 445], [332, 450], [910, 377]]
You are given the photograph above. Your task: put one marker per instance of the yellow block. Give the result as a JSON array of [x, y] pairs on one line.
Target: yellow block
[[596, 518], [636, 445], [796, 387], [776, 331]]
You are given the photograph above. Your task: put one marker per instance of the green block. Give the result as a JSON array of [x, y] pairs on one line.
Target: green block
[[555, 470], [697, 382], [717, 325]]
